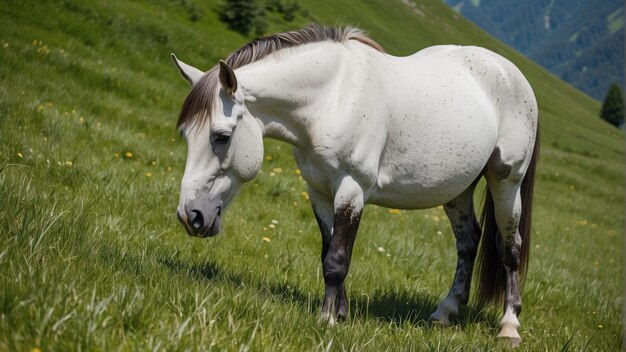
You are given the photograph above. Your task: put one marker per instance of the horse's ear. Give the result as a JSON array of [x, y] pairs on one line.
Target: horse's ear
[[228, 78], [190, 73]]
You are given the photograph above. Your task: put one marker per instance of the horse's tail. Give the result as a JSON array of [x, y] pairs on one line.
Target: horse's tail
[[491, 271]]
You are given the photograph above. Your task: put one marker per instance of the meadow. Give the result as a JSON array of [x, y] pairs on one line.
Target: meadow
[[93, 258]]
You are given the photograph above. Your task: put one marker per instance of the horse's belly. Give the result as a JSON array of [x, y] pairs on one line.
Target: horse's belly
[[424, 169], [425, 191], [425, 184]]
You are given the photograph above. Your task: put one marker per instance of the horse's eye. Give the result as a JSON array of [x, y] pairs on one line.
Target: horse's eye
[[221, 138]]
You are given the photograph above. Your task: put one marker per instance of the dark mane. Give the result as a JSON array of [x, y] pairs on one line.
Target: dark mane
[[199, 103]]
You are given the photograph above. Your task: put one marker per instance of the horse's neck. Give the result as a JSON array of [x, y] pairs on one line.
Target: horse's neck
[[286, 91]]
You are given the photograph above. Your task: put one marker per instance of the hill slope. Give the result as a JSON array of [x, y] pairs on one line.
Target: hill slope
[[92, 256], [581, 41]]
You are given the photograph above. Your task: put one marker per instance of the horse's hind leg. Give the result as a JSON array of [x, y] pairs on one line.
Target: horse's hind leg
[[460, 211], [508, 210]]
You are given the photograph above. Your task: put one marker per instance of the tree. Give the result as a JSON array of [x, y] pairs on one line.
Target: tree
[[244, 16], [287, 8], [613, 106]]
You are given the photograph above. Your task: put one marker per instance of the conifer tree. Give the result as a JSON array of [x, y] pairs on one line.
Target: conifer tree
[[244, 16], [613, 106]]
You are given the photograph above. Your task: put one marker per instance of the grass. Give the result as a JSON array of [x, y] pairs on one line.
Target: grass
[[92, 256]]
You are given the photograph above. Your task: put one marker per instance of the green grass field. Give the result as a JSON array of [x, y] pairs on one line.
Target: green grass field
[[93, 258]]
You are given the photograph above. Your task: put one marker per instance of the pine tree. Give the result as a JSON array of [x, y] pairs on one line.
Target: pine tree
[[613, 106], [244, 16]]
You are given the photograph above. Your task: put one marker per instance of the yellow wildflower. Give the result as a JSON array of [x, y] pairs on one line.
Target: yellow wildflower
[[268, 158], [277, 170], [381, 249], [153, 162], [305, 195], [36, 349], [117, 155], [297, 172], [20, 155], [44, 49], [128, 155], [69, 164], [148, 174], [266, 239], [272, 226], [394, 211]]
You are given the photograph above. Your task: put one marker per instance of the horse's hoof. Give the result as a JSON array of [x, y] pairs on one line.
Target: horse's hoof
[[438, 318], [342, 316], [326, 319], [342, 313], [512, 335], [445, 309], [514, 341]]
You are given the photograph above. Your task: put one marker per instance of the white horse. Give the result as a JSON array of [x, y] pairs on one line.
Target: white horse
[[370, 128]]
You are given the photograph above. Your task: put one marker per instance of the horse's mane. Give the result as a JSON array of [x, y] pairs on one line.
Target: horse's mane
[[199, 103]]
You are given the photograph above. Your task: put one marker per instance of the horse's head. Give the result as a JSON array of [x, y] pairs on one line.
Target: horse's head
[[224, 148]]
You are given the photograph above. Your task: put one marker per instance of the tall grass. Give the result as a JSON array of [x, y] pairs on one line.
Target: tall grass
[[92, 257]]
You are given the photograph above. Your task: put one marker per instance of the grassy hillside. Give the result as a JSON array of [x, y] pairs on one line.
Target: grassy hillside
[[92, 256]]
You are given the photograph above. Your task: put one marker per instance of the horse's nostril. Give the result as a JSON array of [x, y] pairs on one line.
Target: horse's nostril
[[196, 220], [219, 211]]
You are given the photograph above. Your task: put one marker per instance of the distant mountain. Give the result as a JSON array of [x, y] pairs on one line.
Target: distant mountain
[[581, 41]]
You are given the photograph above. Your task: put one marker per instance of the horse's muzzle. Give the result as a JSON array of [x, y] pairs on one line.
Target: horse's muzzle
[[201, 218]]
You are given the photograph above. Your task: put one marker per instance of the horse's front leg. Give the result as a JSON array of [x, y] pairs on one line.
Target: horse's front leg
[[323, 209], [337, 247]]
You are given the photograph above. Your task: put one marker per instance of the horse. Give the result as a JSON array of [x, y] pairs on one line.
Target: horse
[[367, 127]]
